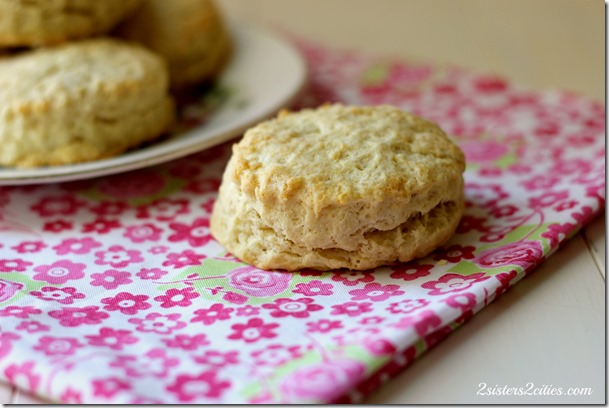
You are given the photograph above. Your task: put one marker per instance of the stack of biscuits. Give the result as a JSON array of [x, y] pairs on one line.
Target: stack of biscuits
[[82, 80]]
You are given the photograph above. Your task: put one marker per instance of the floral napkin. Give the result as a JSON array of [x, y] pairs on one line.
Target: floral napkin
[[113, 291]]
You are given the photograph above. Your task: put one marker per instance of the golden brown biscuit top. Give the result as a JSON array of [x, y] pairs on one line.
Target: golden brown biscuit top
[[41, 79], [339, 154]]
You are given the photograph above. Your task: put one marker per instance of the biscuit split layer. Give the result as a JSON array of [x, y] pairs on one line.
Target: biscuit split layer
[[339, 187], [80, 102]]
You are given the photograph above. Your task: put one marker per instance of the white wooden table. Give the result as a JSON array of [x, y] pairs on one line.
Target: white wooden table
[[549, 330]]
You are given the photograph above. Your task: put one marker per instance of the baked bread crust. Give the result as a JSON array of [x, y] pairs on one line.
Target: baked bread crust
[[339, 187], [48, 22], [80, 101], [189, 34]]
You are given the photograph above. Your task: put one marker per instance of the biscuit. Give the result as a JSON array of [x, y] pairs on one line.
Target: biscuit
[[47, 22], [339, 187], [189, 34], [80, 101]]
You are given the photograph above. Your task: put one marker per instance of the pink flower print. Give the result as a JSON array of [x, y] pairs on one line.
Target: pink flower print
[[503, 211], [519, 168], [139, 400], [469, 223], [371, 320], [407, 306], [425, 322], [8, 289], [6, 343], [323, 326], [158, 249], [58, 346], [217, 311], [484, 195], [151, 274], [489, 171], [310, 272], [521, 253], [57, 226], [352, 308], [14, 265], [208, 205], [23, 376], [184, 169], [109, 208], [505, 281], [483, 151], [490, 84], [258, 283], [218, 359], [76, 246], [154, 363], [203, 186], [352, 278], [314, 288], [157, 363], [191, 387], [142, 233], [233, 297], [452, 282], [114, 339], [187, 342], [135, 184], [101, 225], [565, 205], [379, 346], [109, 387], [118, 257], [28, 247], [59, 272], [196, 234], [322, 381], [276, 355], [299, 308], [464, 301], [375, 292], [247, 310], [158, 323], [255, 329], [76, 316], [584, 216], [70, 396], [572, 166], [410, 271], [356, 335], [163, 209], [548, 199], [126, 303], [22, 312], [65, 296], [32, 326], [556, 233], [177, 297], [456, 253], [182, 259], [597, 190], [63, 205], [110, 279]]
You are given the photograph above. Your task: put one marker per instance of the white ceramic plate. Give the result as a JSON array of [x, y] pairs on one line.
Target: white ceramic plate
[[265, 74]]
